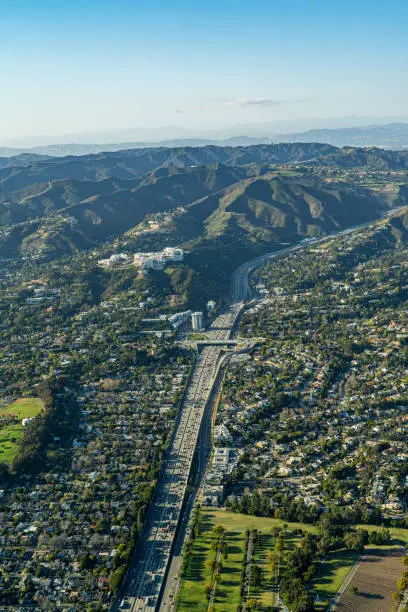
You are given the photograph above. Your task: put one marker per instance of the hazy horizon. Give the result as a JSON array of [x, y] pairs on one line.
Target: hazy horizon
[[168, 133], [84, 68]]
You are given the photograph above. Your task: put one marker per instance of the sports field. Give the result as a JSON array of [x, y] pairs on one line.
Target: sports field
[[374, 582], [11, 428]]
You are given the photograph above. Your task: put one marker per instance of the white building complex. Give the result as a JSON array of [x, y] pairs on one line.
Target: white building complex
[[178, 318], [144, 261], [157, 260]]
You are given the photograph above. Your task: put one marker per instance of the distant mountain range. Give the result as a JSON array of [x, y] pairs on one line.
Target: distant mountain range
[[390, 136]]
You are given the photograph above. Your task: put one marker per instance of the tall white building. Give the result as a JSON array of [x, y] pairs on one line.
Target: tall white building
[[197, 321]]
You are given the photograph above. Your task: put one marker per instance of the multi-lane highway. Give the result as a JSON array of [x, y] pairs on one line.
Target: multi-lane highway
[[201, 459], [144, 582], [146, 579]]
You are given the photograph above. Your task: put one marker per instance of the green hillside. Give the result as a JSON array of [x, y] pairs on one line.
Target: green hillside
[[26, 172], [258, 215], [234, 202]]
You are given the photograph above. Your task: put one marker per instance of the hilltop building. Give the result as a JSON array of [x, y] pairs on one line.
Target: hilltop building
[[144, 261], [114, 260], [157, 260]]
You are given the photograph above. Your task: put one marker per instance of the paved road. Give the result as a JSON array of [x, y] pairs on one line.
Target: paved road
[[145, 580], [147, 575], [201, 460]]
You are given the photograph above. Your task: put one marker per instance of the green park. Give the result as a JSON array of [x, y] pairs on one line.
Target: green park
[[11, 425]]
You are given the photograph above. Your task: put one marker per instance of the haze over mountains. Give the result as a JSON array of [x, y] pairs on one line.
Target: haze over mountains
[[393, 135]]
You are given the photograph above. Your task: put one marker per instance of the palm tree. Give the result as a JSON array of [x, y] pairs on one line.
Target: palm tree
[[271, 557]]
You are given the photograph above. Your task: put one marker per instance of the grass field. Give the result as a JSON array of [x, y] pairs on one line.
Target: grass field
[[227, 594], [331, 576], [10, 434], [265, 595], [192, 596], [241, 522]]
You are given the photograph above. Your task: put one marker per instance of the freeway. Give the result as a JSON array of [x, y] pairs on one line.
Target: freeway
[[201, 459], [145, 579], [148, 576]]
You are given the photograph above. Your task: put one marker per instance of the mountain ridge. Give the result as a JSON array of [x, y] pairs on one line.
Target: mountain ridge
[[136, 163], [263, 194]]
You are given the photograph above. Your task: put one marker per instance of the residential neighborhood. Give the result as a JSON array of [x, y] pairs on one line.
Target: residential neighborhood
[[319, 410], [67, 532]]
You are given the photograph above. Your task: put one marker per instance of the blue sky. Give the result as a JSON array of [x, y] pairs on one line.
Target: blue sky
[[72, 67]]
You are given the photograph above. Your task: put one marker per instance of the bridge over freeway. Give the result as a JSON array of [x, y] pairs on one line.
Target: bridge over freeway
[[203, 343]]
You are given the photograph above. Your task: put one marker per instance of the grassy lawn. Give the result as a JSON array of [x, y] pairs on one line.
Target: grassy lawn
[[241, 522], [331, 576], [192, 595], [265, 594], [9, 439], [227, 594], [12, 433]]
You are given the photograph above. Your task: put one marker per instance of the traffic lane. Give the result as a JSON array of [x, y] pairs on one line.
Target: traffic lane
[[189, 446]]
